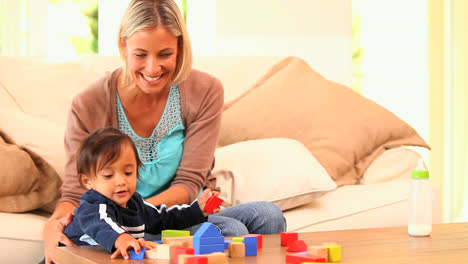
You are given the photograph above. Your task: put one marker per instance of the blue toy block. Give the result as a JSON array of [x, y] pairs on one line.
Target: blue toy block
[[211, 240], [158, 241], [133, 255], [226, 243], [250, 246], [208, 249], [207, 230]]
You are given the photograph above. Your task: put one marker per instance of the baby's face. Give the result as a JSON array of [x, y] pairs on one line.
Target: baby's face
[[117, 180]]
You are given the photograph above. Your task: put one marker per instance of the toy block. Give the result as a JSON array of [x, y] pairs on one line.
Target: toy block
[[288, 237], [297, 246], [211, 240], [196, 260], [207, 249], [236, 250], [319, 251], [259, 240], [217, 258], [299, 258], [226, 243], [334, 253], [151, 253], [250, 246], [182, 251], [174, 233], [238, 239], [213, 203], [165, 251], [187, 241], [133, 255], [207, 230]]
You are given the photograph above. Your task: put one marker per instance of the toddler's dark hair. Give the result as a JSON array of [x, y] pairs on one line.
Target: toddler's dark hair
[[101, 147]]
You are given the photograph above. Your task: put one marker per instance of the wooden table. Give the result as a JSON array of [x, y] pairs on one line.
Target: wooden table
[[448, 243]]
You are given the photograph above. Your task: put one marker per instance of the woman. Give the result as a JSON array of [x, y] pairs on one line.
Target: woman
[[171, 112]]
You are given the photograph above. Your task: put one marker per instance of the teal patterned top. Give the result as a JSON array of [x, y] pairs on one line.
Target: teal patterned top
[[161, 152]]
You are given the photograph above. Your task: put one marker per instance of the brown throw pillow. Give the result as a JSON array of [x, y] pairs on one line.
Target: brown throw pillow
[[344, 130], [28, 181]]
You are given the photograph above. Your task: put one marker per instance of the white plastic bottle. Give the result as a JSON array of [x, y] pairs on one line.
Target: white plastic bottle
[[420, 202]]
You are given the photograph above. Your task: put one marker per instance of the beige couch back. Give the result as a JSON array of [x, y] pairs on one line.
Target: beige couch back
[[35, 94], [44, 89]]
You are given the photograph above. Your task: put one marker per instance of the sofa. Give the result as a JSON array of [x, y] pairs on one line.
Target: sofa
[[327, 156]]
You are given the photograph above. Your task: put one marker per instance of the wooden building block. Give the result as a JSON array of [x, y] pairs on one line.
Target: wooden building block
[[200, 259], [288, 237], [182, 251], [250, 246], [187, 241], [259, 240], [319, 251], [213, 203], [133, 255], [174, 233], [165, 251], [236, 249], [217, 258], [297, 246], [238, 239], [334, 253], [151, 253], [300, 258]]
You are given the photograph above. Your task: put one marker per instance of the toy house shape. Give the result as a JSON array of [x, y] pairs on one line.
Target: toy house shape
[[208, 239]]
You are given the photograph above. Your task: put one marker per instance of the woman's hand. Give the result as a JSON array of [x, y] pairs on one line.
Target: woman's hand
[[206, 194], [126, 241], [53, 234]]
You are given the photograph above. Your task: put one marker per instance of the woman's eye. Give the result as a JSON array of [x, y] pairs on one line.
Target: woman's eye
[[166, 54], [140, 55]]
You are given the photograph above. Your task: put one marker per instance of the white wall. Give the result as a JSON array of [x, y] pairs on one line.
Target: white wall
[[317, 31], [394, 40]]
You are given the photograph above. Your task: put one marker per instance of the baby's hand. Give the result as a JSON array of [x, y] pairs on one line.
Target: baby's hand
[[126, 241], [204, 198]]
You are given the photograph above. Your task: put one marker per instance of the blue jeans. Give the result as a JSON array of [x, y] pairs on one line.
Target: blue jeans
[[247, 218]]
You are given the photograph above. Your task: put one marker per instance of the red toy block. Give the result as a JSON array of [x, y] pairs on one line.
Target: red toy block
[[197, 260], [297, 246], [213, 203], [182, 250], [259, 240], [299, 258], [288, 237]]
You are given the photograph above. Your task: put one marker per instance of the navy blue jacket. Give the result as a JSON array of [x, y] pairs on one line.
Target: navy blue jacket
[[98, 220]]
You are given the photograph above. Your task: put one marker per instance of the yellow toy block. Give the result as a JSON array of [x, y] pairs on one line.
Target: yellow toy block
[[334, 253]]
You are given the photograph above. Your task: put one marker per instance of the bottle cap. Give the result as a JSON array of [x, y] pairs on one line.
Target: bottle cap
[[420, 172]]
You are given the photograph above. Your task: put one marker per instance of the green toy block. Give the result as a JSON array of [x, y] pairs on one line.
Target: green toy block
[[174, 233]]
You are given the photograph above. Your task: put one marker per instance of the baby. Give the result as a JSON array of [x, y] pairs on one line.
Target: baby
[[111, 213]]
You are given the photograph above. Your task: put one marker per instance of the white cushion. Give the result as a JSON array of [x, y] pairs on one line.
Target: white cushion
[[279, 170]]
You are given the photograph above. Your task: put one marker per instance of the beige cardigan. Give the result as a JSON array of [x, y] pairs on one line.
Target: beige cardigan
[[201, 98]]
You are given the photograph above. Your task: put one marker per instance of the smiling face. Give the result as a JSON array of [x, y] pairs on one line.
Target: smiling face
[[151, 56], [118, 178]]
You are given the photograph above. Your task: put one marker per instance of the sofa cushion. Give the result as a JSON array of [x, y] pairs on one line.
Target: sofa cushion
[[344, 130], [279, 170], [28, 181]]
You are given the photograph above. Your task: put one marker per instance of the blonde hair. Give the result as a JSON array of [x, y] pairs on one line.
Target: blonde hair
[[145, 14]]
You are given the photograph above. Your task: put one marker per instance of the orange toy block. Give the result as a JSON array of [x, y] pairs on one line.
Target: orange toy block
[[288, 237], [319, 251], [297, 246], [213, 203], [186, 241], [216, 258], [236, 249]]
